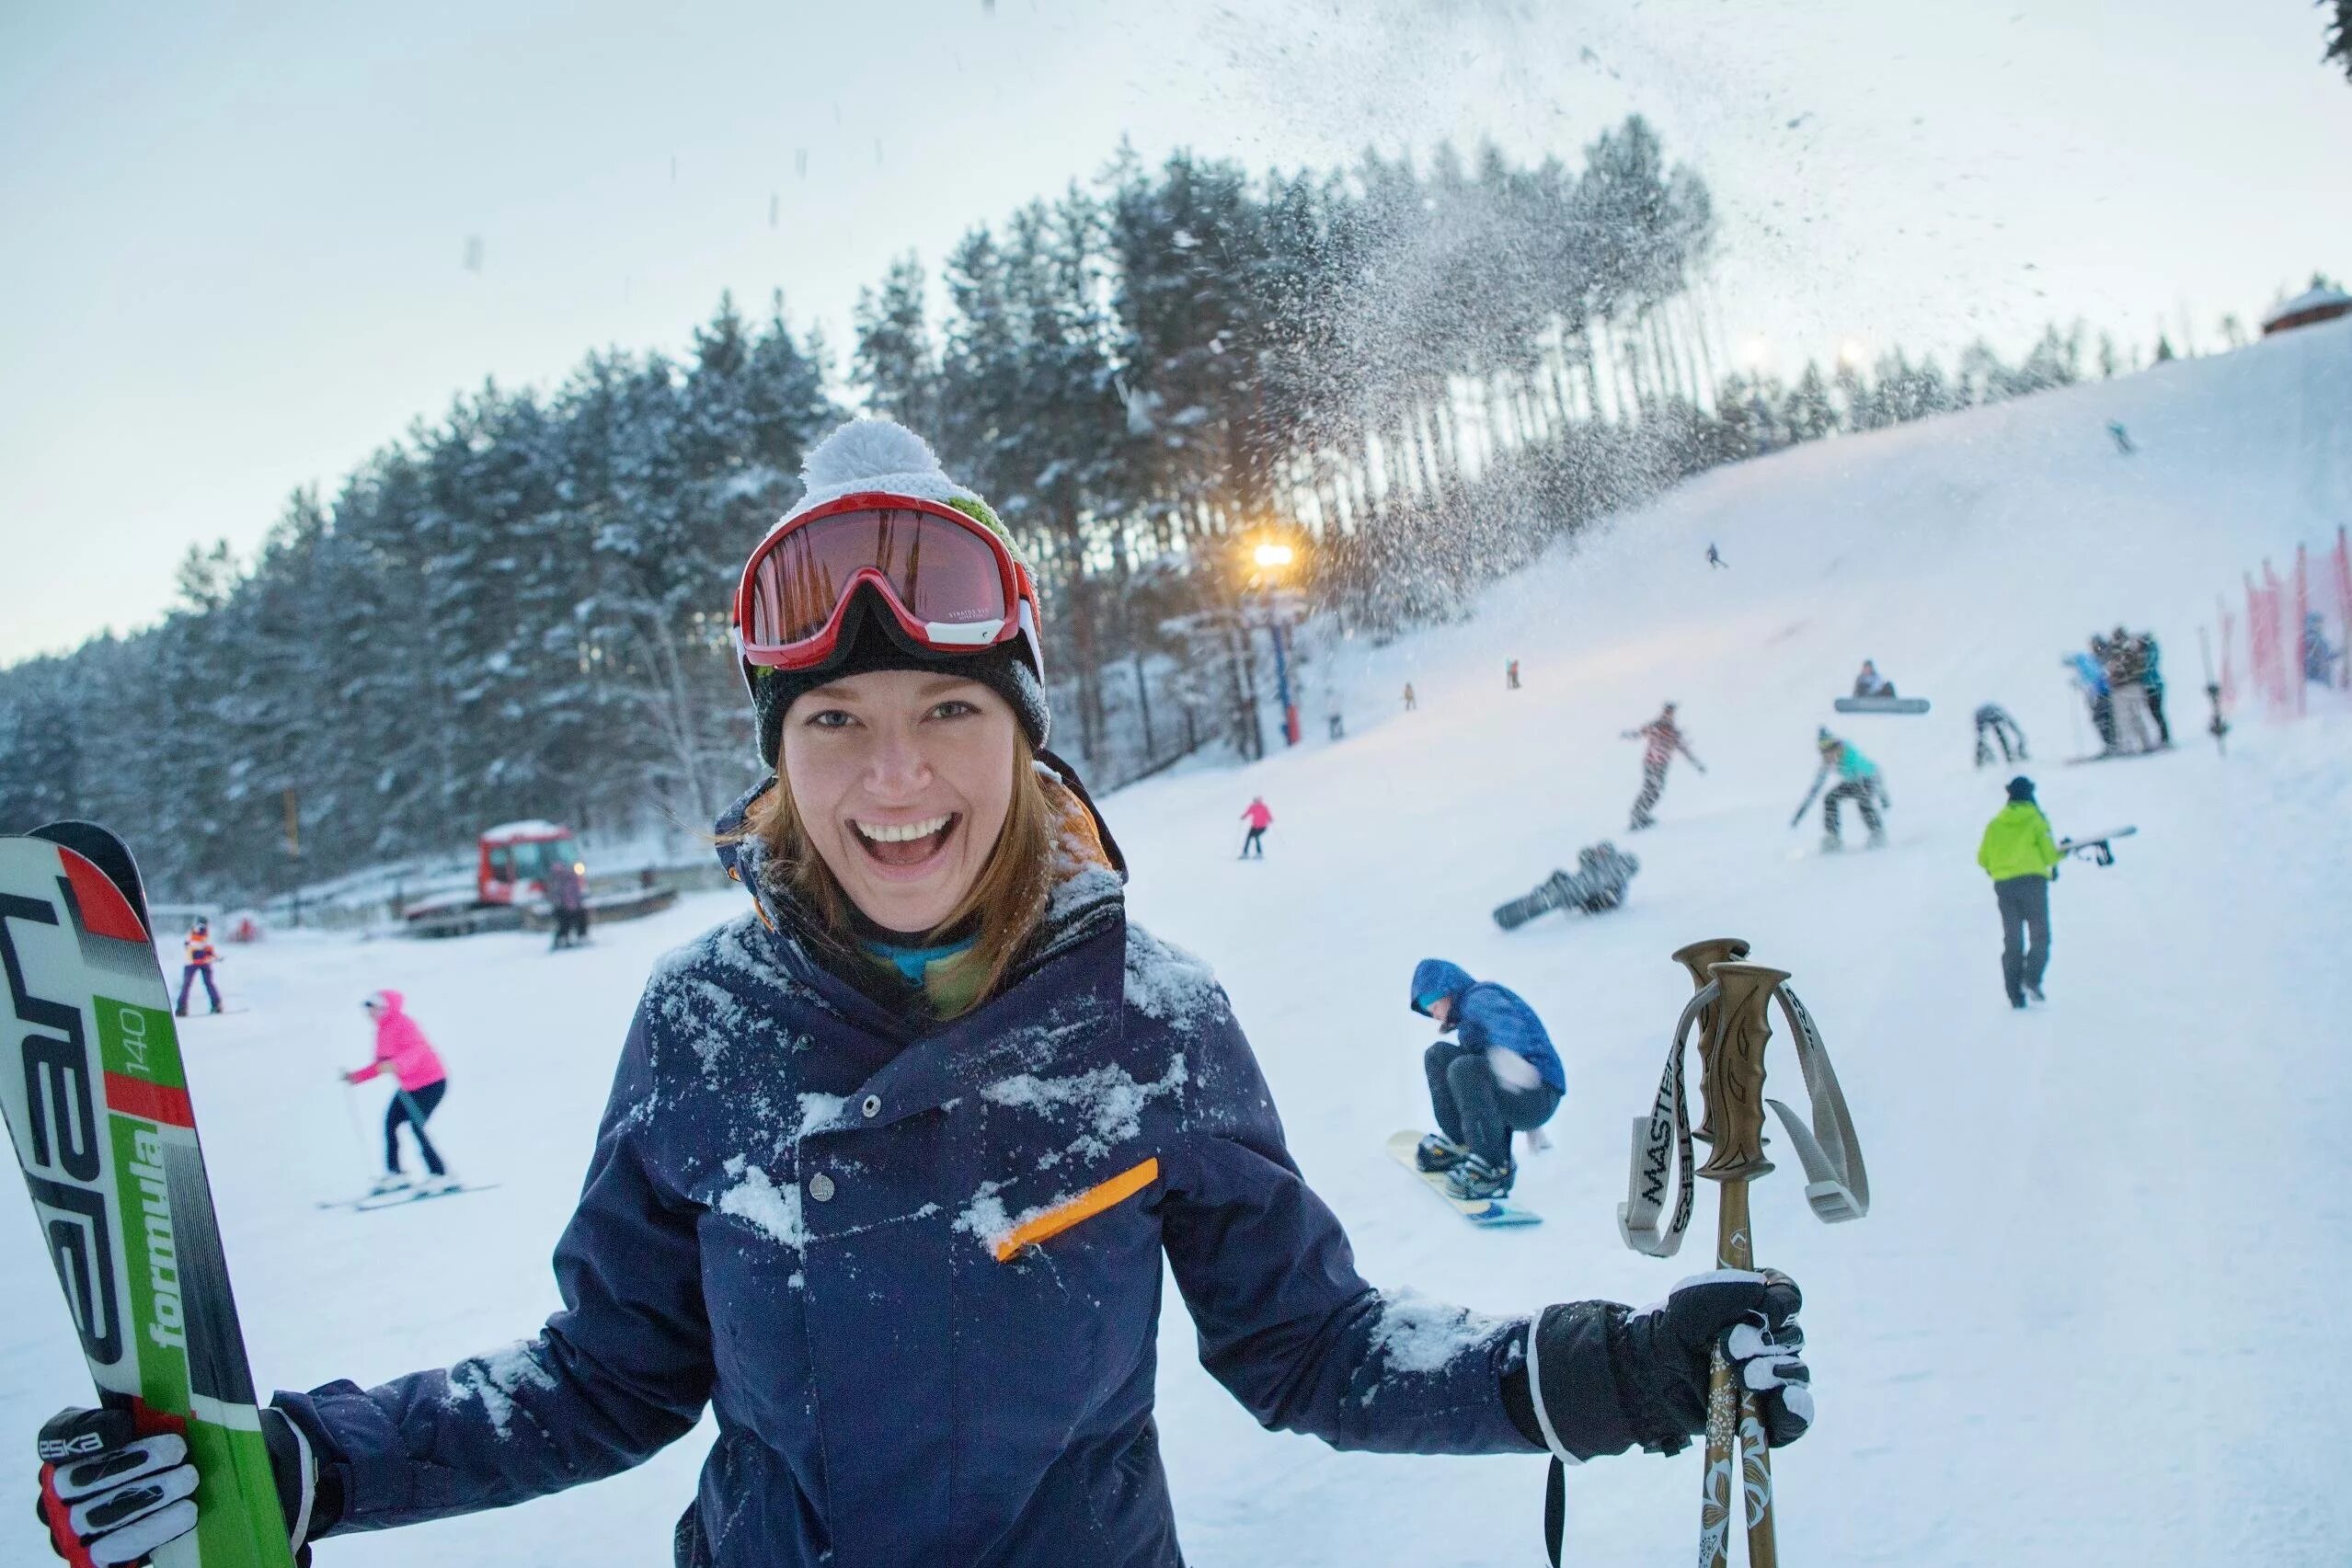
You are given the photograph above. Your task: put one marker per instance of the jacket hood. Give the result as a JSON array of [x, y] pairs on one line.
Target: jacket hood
[[1435, 977], [392, 1002]]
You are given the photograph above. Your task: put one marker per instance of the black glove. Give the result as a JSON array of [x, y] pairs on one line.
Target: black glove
[[109, 1495], [1601, 1379]]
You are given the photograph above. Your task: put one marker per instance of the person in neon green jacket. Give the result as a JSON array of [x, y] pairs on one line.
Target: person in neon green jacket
[[2021, 855]]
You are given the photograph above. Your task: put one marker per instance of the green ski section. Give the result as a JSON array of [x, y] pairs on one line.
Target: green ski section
[[96, 1097]]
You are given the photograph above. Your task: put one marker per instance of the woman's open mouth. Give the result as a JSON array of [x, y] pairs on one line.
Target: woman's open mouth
[[906, 846]]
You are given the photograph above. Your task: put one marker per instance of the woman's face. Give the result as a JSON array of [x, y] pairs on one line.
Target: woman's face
[[902, 779]]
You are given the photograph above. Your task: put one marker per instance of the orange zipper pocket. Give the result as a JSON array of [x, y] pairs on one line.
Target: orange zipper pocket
[[1077, 1211]]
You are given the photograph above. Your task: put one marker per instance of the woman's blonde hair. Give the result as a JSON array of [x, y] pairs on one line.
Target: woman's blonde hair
[[1000, 907]]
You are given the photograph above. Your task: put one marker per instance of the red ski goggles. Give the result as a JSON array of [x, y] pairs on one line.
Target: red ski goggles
[[946, 578]]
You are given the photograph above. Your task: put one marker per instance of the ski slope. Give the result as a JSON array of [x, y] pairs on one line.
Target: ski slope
[[2090, 1317]]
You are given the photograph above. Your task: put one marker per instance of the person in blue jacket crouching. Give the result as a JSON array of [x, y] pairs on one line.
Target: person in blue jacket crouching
[[1498, 1076], [894, 1157]]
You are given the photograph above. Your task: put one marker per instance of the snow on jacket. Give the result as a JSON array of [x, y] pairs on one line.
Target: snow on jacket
[[1488, 1018], [917, 1267], [2018, 842], [1258, 816], [401, 1046]]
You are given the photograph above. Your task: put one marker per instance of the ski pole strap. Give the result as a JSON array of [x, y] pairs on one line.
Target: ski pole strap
[[1659, 1139], [1837, 1182]]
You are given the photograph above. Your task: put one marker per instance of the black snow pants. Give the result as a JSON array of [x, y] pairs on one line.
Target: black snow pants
[[2024, 933], [424, 1100], [1863, 793], [1652, 786], [1477, 1110]]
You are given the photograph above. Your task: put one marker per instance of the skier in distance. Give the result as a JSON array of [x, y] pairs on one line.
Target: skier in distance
[[202, 956], [1500, 1076], [1661, 740], [419, 1082], [1259, 816], [859, 1185]]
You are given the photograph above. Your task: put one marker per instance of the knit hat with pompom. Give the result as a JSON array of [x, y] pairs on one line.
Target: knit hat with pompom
[[888, 459]]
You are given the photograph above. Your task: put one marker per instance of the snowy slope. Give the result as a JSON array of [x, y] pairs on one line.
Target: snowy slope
[[2080, 1325]]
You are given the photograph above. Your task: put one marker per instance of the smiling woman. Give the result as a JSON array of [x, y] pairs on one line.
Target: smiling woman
[[892, 1161]]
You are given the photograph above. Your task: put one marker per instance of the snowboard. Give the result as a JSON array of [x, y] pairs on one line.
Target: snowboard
[[1880, 704], [98, 1109], [1492, 1213], [2118, 756], [2097, 847]]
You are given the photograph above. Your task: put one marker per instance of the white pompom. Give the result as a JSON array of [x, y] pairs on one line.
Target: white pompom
[[867, 450]]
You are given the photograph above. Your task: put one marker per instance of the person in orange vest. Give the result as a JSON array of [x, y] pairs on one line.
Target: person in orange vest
[[201, 959]]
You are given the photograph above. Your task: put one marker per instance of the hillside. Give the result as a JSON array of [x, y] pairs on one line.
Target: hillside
[[2072, 1330]]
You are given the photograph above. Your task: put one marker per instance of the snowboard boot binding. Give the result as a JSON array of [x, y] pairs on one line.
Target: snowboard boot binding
[[1832, 843], [1436, 1154], [1473, 1180]]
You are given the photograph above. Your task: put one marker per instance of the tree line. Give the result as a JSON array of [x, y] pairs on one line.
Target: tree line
[[1415, 374]]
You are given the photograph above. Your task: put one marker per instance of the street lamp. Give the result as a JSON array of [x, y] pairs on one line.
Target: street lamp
[[1274, 558]]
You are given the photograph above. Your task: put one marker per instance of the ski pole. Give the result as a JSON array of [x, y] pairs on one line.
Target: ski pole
[[1731, 1086], [358, 1132]]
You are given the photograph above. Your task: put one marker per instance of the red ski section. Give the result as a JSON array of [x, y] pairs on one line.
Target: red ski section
[[150, 1101], [104, 911]]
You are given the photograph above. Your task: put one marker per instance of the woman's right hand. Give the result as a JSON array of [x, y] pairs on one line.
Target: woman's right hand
[[110, 1496]]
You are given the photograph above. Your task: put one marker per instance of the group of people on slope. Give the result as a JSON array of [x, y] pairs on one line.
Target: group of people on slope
[[854, 1188], [2122, 679]]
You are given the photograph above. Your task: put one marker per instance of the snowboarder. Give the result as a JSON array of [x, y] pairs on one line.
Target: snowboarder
[[1870, 683], [813, 1112], [1337, 724], [1858, 781], [2091, 679], [1603, 872], [1410, 702], [1499, 1076], [2122, 437], [1714, 559], [419, 1082], [1510, 676], [1993, 723], [2021, 855], [1259, 817], [202, 956], [569, 902], [1662, 740]]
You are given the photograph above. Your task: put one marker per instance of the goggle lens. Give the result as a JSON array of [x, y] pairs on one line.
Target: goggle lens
[[940, 572]]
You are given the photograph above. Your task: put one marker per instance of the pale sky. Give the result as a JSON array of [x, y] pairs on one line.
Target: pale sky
[[235, 234]]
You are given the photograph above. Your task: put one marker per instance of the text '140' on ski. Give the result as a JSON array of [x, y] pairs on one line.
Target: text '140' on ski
[[97, 1107]]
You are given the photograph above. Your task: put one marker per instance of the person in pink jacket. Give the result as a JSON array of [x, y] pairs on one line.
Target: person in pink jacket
[[1259, 818], [420, 1082]]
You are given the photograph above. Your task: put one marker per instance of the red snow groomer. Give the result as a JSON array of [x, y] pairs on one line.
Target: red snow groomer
[[509, 891]]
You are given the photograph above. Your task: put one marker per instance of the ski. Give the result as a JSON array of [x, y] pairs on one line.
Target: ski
[[1487, 1214], [367, 1203], [1880, 704], [2117, 756], [98, 1110]]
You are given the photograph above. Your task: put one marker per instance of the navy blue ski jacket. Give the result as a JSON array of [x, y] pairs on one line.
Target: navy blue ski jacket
[[1488, 1016], [917, 1267]]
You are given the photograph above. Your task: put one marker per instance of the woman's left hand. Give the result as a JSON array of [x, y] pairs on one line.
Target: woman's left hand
[[1662, 1358]]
